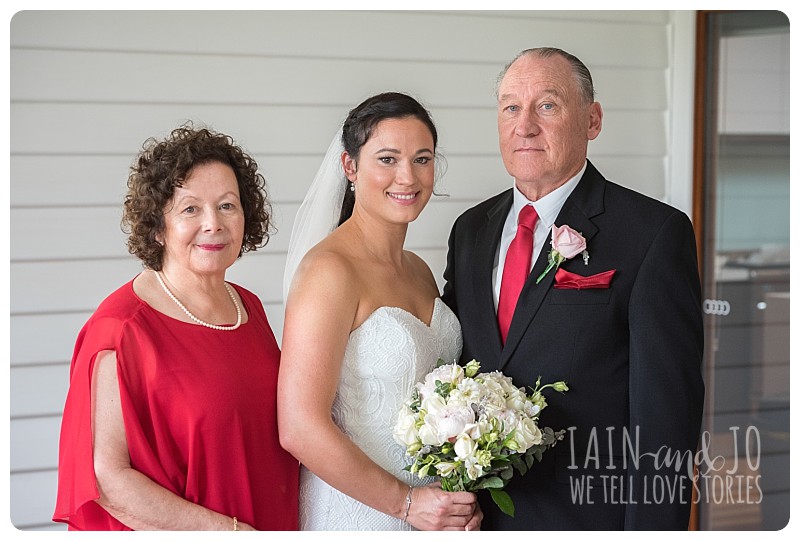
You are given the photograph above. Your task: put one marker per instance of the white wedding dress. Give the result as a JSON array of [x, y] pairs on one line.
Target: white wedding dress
[[384, 358]]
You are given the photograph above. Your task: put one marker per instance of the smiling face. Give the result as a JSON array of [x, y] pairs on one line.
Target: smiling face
[[204, 222], [543, 123], [394, 173]]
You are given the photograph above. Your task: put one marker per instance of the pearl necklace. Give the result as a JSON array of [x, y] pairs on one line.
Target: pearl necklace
[[197, 319]]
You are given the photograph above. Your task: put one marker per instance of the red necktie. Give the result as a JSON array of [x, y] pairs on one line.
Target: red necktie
[[516, 269]]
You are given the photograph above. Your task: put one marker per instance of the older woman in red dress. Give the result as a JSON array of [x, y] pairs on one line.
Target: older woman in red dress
[[170, 420]]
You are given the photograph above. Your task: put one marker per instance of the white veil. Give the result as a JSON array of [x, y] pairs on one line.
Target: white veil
[[319, 213]]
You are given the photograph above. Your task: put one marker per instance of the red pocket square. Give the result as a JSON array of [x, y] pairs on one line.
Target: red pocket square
[[569, 280]]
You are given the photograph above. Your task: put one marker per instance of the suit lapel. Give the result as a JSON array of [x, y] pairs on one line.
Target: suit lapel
[[585, 202], [486, 241]]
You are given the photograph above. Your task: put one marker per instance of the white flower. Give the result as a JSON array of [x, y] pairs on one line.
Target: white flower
[[472, 367], [446, 469], [405, 430], [447, 373], [473, 468], [491, 385], [465, 447], [493, 400], [505, 382], [484, 458], [476, 430], [450, 421], [433, 404], [428, 435], [467, 392], [466, 434], [527, 434], [508, 421], [531, 409], [516, 400]]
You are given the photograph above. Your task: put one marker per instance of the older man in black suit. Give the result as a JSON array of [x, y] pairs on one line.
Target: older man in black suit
[[620, 321]]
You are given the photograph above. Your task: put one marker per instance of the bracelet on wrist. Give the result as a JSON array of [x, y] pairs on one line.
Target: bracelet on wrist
[[408, 503]]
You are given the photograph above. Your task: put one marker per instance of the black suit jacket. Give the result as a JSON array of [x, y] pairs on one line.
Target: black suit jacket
[[631, 355]]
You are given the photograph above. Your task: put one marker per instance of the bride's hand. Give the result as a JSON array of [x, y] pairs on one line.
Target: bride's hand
[[434, 509], [474, 523]]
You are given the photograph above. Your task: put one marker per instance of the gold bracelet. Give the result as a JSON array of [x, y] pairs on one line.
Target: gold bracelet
[[235, 524], [408, 503]]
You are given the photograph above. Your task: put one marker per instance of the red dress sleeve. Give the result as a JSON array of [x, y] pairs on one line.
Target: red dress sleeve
[[77, 488]]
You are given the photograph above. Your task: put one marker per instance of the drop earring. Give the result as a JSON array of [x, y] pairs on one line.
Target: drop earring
[[352, 186]]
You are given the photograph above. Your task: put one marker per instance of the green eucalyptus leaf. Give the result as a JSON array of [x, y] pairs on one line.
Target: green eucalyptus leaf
[[529, 459], [491, 483], [503, 501]]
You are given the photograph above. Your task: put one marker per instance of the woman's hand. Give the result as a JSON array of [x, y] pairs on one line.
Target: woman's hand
[[474, 523], [434, 509]]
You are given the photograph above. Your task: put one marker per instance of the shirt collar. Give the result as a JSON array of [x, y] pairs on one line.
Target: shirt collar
[[550, 205]]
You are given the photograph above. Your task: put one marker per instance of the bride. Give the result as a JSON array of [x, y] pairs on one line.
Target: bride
[[364, 322]]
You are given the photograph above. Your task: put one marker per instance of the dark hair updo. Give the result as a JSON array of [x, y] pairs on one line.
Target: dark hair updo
[[360, 124]]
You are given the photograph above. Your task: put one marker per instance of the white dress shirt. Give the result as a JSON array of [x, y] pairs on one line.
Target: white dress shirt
[[547, 208]]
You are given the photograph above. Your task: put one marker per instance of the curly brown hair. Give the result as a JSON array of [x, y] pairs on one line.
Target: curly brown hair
[[163, 166]]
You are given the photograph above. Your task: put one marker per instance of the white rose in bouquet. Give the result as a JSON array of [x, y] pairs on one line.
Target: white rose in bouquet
[[465, 447], [527, 434], [405, 431]]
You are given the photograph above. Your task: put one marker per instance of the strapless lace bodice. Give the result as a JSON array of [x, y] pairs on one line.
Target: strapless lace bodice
[[384, 358]]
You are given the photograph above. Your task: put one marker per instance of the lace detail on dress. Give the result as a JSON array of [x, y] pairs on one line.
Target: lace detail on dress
[[384, 358]]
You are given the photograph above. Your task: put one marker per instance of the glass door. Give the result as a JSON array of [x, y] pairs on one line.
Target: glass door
[[742, 202]]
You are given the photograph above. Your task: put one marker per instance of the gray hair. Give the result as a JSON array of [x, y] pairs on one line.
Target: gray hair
[[582, 75]]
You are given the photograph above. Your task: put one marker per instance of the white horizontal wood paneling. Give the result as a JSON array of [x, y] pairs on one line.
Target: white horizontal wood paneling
[[49, 381], [37, 442], [66, 286], [88, 87], [98, 128], [27, 346], [33, 499], [84, 232], [182, 78], [390, 35]]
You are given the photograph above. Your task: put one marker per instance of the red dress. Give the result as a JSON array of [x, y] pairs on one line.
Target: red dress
[[199, 407]]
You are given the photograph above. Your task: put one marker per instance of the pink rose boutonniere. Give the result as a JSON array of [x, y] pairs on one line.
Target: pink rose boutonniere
[[567, 243]]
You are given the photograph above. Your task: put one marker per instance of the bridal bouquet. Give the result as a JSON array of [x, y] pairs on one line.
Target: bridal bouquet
[[472, 430]]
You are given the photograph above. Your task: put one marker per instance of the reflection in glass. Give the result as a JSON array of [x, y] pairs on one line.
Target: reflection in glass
[[746, 272]]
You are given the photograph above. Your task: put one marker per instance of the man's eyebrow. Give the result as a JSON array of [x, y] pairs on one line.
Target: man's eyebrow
[[547, 93]]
